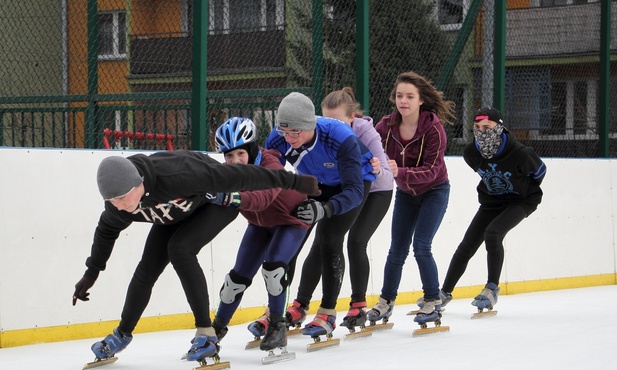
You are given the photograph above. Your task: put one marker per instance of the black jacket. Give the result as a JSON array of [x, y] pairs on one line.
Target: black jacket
[[514, 174], [176, 184]]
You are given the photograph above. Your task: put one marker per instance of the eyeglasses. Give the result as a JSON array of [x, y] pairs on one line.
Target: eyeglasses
[[293, 134]]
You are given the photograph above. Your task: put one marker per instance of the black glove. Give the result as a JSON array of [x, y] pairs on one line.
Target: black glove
[[311, 211], [306, 184], [81, 288]]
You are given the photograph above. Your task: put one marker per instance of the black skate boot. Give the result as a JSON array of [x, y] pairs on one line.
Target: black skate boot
[[276, 337]]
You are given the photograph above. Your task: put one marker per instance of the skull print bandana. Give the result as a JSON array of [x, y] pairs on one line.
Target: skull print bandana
[[489, 140]]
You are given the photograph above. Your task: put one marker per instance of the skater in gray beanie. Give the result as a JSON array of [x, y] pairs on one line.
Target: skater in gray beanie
[[176, 193]]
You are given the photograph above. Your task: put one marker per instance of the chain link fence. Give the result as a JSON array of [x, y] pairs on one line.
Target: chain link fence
[[121, 73]]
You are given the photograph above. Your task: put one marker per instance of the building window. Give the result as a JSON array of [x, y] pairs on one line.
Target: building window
[[574, 110], [112, 35], [451, 13], [187, 17], [235, 16]]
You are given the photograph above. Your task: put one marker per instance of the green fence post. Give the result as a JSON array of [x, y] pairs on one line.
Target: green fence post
[[499, 56], [93, 74], [459, 44], [317, 75], [605, 78], [362, 54], [199, 118]]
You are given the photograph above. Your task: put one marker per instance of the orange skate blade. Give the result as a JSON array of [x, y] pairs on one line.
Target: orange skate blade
[[364, 332], [318, 345], [214, 366], [377, 327], [435, 329], [482, 314], [98, 362], [294, 331], [253, 344]]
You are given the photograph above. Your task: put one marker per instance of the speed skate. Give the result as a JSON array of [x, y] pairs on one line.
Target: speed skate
[[100, 362], [482, 313]]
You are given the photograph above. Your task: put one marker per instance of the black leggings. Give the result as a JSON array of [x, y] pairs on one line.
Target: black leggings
[[489, 225], [325, 259], [179, 244], [373, 212]]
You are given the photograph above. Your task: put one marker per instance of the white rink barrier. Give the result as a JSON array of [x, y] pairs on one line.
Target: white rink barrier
[[51, 205]]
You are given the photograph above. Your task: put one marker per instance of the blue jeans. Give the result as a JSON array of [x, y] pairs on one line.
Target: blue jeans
[[416, 217]]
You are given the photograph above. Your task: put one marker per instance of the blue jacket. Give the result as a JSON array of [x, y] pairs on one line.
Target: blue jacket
[[335, 156]]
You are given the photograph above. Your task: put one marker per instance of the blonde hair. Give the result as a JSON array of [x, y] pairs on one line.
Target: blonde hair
[[433, 99], [345, 97]]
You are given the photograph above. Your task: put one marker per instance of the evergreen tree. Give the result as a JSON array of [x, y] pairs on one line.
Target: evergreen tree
[[403, 36]]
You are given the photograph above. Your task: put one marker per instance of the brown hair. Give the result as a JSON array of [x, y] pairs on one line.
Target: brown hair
[[344, 96], [433, 99]]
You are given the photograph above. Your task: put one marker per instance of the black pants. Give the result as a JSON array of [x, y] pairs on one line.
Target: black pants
[[325, 259], [373, 212], [490, 225], [179, 244]]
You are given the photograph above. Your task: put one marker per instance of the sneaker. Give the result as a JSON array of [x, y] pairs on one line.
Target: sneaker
[[112, 344], [220, 328], [295, 315], [323, 323], [259, 327], [356, 316], [487, 297], [276, 336], [203, 346], [445, 299], [382, 310]]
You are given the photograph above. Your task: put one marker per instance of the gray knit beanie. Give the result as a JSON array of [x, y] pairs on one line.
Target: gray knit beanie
[[116, 176], [296, 111]]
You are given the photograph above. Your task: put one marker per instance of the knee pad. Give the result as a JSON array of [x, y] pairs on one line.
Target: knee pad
[[275, 276], [233, 287]]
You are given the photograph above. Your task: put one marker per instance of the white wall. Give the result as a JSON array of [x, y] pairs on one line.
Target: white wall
[[50, 206]]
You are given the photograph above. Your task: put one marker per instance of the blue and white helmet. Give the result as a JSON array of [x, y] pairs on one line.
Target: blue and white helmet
[[235, 132]]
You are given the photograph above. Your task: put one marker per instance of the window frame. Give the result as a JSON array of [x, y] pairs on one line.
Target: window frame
[[115, 34], [215, 19], [451, 26]]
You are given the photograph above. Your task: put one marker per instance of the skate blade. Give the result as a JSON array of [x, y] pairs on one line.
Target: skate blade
[[253, 344], [322, 345], [378, 327], [273, 358], [435, 329], [483, 314], [99, 362], [214, 366], [364, 332], [294, 331]]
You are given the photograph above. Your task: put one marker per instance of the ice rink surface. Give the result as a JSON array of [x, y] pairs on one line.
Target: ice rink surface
[[563, 329]]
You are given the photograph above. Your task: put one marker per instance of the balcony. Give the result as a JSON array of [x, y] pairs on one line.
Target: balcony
[[171, 54]]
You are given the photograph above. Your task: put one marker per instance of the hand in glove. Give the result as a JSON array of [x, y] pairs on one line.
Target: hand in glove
[[225, 199], [82, 287], [311, 211]]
